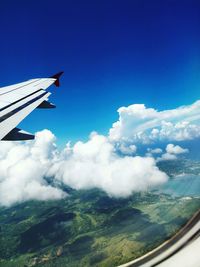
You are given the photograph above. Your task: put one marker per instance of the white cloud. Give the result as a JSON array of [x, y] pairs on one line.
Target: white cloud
[[126, 149], [152, 151], [105, 162], [23, 167], [140, 124], [94, 163], [155, 150], [167, 156], [172, 149]]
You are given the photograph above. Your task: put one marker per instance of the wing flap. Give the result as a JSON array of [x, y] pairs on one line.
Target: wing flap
[[11, 120], [17, 134], [46, 104], [13, 95], [22, 101]]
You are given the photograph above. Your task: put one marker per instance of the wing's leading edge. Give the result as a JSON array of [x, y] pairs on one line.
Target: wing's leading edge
[[19, 100]]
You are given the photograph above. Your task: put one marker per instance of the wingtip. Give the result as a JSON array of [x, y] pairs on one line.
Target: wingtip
[[57, 77]]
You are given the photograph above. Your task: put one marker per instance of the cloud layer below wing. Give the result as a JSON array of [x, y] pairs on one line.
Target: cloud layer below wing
[[108, 162], [95, 163]]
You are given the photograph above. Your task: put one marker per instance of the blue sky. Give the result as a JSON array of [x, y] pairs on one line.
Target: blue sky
[[113, 53]]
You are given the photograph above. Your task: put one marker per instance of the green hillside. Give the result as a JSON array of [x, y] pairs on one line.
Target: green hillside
[[89, 228]]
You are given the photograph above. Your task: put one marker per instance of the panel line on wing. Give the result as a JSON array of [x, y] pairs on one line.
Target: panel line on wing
[[11, 113], [19, 87], [20, 100]]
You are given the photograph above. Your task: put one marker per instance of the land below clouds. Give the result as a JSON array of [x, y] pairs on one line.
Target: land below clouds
[[89, 228]]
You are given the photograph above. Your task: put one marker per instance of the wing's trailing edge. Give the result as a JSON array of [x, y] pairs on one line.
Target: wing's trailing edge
[[46, 104], [19, 100], [19, 135]]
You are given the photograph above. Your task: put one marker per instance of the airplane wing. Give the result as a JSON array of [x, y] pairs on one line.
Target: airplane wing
[[18, 100]]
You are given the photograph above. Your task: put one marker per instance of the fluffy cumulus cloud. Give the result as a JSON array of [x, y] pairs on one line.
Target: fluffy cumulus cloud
[[95, 163], [153, 151], [126, 149], [109, 163], [172, 151], [23, 167], [146, 125]]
